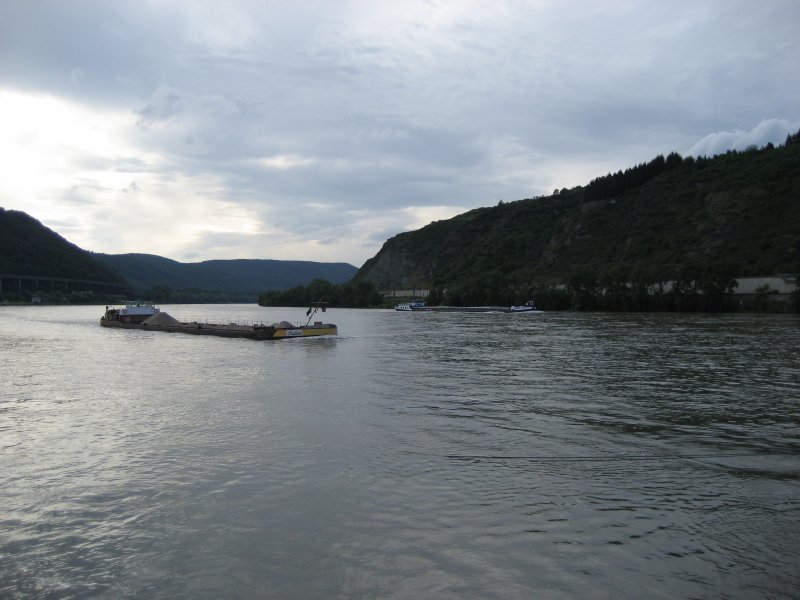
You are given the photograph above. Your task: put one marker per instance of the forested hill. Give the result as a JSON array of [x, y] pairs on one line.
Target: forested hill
[[146, 271], [738, 212], [28, 248]]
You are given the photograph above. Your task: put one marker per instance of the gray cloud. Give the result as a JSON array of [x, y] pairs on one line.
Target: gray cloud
[[345, 123]]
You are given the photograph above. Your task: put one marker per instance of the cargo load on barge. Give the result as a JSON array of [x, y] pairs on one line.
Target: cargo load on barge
[[147, 317]]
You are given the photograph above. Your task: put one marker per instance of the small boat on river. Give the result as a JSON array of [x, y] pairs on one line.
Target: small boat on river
[[147, 317], [409, 306]]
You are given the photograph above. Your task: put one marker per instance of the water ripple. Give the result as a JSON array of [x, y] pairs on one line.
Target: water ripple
[[432, 455]]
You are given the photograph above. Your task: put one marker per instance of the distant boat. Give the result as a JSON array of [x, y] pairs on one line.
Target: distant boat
[[529, 306], [413, 305], [145, 316], [421, 307]]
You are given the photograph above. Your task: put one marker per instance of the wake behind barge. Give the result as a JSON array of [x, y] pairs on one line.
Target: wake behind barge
[[145, 316]]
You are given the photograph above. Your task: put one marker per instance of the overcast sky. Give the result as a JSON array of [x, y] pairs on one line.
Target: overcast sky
[[316, 130]]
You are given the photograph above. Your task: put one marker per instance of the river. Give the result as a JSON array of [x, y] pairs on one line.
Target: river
[[552, 455]]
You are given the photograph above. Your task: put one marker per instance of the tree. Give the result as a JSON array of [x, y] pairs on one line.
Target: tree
[[673, 161], [615, 291], [584, 286], [685, 288], [762, 302], [353, 294], [717, 283]]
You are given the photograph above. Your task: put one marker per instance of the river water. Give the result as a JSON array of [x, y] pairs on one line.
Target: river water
[[553, 455]]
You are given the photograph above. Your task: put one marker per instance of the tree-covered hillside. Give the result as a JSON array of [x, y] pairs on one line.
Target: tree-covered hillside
[[29, 248], [736, 213]]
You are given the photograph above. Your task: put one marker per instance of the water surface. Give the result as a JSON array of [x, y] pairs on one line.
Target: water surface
[[554, 455]]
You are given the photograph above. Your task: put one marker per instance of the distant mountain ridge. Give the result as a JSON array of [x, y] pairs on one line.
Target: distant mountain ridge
[[28, 248], [147, 271]]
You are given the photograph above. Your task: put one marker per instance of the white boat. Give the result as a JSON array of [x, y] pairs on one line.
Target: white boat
[[529, 306], [409, 306]]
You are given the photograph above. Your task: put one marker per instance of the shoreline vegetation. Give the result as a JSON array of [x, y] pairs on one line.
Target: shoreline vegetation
[[707, 292]]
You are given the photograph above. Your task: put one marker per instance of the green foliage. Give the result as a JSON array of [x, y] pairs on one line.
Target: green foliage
[[615, 243], [352, 294], [548, 297], [695, 287], [610, 185], [762, 302], [164, 294]]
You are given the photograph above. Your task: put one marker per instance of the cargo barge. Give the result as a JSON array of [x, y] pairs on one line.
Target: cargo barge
[[147, 317]]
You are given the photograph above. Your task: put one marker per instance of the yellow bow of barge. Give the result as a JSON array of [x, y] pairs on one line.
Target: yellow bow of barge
[[146, 317]]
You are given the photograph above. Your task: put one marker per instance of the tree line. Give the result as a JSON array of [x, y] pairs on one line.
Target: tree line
[[164, 294], [615, 184], [694, 287], [352, 294]]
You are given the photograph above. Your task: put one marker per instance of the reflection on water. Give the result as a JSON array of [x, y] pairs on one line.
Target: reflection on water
[[414, 455]]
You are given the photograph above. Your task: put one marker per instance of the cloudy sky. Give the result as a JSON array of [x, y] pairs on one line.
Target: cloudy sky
[[316, 130]]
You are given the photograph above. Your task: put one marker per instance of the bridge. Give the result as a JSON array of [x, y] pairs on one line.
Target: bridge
[[21, 283]]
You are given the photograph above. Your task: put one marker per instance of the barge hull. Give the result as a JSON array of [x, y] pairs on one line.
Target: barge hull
[[235, 331]]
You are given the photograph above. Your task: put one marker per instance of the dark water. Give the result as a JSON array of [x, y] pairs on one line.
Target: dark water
[[414, 456]]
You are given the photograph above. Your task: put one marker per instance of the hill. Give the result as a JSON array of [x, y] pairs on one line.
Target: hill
[[248, 276], [29, 249], [735, 213]]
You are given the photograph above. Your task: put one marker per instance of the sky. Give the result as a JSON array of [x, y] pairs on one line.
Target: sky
[[202, 130]]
